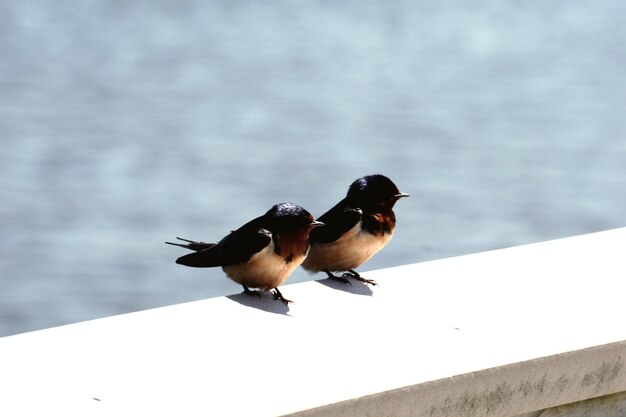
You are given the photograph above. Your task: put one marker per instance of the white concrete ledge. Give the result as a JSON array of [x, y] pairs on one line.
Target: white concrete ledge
[[502, 333]]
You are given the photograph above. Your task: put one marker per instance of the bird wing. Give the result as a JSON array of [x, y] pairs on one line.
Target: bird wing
[[338, 220], [241, 245], [237, 247]]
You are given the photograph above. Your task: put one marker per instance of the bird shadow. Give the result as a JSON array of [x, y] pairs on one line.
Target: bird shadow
[[357, 287], [265, 302]]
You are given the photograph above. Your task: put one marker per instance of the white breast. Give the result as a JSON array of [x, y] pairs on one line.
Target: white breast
[[265, 270], [350, 251]]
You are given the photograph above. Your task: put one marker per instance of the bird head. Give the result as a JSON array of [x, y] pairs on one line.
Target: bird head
[[289, 217], [374, 192]]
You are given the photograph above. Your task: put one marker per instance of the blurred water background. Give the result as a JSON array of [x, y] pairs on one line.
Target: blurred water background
[[125, 124]]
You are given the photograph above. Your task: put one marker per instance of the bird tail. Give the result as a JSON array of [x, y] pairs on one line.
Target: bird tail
[[205, 255], [192, 244]]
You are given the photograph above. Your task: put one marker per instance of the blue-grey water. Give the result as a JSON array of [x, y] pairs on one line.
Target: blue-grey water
[[125, 124]]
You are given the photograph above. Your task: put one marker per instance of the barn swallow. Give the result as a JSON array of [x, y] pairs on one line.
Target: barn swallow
[[355, 229], [260, 254]]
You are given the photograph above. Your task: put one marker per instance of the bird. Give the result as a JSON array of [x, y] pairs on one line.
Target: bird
[[260, 254], [354, 229]]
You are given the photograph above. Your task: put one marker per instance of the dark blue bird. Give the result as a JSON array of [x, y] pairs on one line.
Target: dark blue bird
[[355, 229], [260, 254]]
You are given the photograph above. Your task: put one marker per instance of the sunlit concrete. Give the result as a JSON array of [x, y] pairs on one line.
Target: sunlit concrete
[[501, 333]]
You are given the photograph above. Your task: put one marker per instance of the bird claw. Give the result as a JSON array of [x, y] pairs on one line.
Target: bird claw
[[336, 278], [341, 279], [358, 277], [248, 291], [368, 281], [279, 296]]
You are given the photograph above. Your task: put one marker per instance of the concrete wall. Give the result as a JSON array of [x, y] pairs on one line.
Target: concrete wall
[[526, 331], [528, 389]]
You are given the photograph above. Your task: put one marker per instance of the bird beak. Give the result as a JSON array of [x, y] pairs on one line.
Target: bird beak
[[400, 195], [316, 223]]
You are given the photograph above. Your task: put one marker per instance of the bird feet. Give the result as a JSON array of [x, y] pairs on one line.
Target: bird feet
[[275, 292], [336, 278], [355, 275], [248, 291], [279, 296]]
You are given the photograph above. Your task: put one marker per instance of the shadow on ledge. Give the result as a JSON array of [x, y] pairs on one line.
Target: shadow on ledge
[[265, 302], [357, 287]]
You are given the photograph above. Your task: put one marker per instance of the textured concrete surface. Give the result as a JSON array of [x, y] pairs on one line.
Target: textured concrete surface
[[606, 406], [502, 333]]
